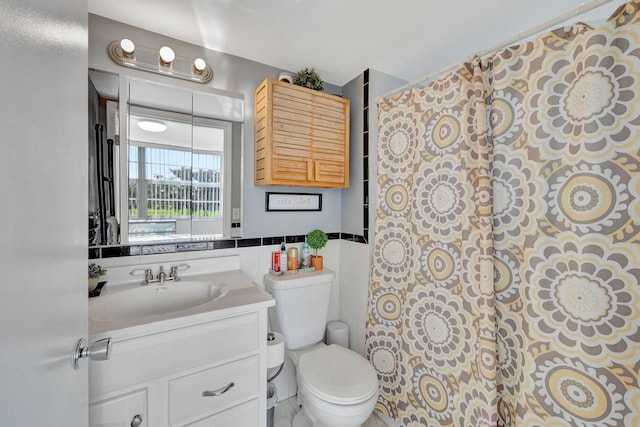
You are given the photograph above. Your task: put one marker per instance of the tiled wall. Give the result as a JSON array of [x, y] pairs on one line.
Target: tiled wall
[[206, 245]]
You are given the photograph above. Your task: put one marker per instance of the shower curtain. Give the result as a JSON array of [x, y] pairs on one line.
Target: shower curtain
[[504, 288]]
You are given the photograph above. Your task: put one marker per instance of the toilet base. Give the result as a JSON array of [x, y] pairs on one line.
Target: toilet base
[[300, 420], [303, 419]]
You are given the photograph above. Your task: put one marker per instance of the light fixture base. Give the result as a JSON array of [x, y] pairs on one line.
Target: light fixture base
[[146, 59]]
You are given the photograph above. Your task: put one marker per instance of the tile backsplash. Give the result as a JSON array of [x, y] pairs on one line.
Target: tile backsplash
[[200, 245]]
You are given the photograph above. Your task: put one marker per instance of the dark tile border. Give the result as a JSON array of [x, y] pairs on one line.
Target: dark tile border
[[295, 239], [222, 244], [247, 243], [199, 245], [365, 156], [268, 241]]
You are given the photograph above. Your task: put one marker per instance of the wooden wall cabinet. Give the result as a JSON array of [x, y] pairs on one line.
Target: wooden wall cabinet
[[301, 137]]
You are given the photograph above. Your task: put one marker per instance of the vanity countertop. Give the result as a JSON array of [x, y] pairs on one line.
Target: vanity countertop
[[242, 295]]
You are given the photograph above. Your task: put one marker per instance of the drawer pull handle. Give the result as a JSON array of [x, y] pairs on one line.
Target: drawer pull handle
[[209, 393], [136, 421]]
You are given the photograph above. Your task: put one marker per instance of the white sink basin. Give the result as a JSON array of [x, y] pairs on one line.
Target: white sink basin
[[154, 300]]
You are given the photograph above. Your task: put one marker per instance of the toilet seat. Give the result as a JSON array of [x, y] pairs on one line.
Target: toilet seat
[[337, 375]]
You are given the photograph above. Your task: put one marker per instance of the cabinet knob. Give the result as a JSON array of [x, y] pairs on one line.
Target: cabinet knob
[[136, 421], [210, 393]]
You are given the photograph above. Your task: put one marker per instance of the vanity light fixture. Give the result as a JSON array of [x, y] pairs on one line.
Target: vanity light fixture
[[154, 126], [161, 61]]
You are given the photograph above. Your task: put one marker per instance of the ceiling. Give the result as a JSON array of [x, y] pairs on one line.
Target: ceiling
[[341, 38]]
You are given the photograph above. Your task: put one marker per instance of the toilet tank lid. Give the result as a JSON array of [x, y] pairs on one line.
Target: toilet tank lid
[[300, 279]]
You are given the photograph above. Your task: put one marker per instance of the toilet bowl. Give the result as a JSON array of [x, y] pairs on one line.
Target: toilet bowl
[[337, 387]]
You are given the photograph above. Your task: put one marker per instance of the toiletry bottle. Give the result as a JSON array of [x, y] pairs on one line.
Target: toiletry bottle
[[306, 255], [283, 258], [275, 261], [292, 258]]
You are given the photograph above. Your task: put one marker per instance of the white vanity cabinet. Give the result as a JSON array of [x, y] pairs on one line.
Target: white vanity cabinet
[[202, 370], [120, 410]]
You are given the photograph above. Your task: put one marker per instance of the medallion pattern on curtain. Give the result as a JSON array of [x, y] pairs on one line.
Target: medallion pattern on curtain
[[505, 287], [431, 328]]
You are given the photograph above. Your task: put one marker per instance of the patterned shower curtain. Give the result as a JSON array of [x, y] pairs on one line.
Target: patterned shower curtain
[[505, 280]]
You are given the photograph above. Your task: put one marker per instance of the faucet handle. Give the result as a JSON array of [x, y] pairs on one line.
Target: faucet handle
[[175, 268], [148, 276]]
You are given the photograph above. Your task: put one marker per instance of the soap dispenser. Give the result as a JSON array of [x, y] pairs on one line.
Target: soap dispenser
[[306, 255]]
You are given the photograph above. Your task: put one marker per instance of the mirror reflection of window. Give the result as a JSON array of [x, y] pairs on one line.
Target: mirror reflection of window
[[211, 176], [175, 178]]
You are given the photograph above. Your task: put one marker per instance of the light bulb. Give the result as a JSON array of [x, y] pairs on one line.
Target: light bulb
[[199, 65], [167, 55], [127, 46]]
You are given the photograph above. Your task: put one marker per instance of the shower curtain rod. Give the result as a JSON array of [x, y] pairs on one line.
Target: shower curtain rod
[[521, 35]]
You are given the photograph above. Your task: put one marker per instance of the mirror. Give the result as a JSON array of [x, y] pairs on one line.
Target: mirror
[[175, 174]]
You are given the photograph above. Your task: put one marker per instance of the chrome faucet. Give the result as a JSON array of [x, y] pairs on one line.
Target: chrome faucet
[[161, 275]]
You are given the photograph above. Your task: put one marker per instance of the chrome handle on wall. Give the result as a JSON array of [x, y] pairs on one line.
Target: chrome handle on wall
[[209, 393]]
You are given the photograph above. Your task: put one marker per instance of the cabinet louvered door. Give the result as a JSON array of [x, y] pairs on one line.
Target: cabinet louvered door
[[302, 137]]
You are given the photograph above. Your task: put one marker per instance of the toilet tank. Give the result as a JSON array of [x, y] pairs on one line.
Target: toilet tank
[[302, 306]]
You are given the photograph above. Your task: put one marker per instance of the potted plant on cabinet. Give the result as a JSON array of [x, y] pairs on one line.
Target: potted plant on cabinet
[[309, 78], [95, 272], [317, 239]]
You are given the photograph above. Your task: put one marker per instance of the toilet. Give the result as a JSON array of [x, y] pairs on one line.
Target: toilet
[[336, 386]]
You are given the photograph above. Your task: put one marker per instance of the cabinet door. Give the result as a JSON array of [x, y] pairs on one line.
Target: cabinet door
[[119, 411], [301, 137]]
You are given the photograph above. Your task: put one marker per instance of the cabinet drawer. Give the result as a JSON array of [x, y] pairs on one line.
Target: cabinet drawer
[[185, 393], [120, 410], [245, 415], [145, 358]]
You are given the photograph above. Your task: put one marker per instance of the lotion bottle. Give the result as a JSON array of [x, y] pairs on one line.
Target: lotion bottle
[[283, 258]]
